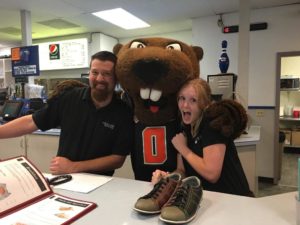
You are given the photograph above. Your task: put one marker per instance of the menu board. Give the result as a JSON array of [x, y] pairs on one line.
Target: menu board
[[67, 54]]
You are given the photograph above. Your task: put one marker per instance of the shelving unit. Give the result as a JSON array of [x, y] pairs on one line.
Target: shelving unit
[[289, 124]]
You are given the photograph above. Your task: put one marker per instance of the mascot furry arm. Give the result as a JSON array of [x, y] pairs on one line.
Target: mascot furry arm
[[151, 71], [229, 117]]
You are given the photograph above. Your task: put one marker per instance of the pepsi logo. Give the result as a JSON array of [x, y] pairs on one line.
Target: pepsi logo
[[53, 49]]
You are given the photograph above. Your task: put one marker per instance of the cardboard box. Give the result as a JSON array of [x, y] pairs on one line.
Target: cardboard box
[[296, 138], [288, 136]]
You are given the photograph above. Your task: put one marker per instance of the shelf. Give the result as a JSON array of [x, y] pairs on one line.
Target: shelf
[[291, 146], [289, 89], [288, 119]]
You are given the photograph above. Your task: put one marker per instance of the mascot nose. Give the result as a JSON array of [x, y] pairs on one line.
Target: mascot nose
[[150, 70]]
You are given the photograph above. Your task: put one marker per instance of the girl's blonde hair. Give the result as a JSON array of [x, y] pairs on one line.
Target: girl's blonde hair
[[203, 92]]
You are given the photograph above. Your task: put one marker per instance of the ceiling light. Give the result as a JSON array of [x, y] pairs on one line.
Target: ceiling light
[[121, 18]]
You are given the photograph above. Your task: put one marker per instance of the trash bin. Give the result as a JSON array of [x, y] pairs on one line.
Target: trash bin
[[281, 137]]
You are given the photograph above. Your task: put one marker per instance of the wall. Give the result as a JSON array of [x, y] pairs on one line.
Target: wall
[[184, 36], [282, 35], [96, 42]]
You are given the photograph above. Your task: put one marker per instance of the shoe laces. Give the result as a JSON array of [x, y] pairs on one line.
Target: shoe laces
[[180, 196], [157, 189]]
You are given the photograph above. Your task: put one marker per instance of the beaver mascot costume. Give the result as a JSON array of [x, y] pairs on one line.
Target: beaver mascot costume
[[151, 71]]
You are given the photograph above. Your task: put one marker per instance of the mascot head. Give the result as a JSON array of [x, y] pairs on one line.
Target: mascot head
[[152, 70]]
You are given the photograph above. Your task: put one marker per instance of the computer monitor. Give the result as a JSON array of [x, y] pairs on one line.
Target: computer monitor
[[11, 109], [222, 85]]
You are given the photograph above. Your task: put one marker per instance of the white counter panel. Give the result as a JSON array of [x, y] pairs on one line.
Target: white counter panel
[[116, 198]]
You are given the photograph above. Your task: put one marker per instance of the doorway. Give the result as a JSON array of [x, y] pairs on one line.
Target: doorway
[[287, 101]]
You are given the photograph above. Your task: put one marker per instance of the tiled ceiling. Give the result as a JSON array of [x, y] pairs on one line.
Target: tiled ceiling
[[51, 18], [58, 24]]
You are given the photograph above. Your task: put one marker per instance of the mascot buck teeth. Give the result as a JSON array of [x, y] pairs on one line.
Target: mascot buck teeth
[[151, 71]]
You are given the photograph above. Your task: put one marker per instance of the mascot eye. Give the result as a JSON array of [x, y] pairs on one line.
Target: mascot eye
[[137, 44], [174, 46]]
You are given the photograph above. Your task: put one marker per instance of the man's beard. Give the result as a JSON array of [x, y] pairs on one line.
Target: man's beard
[[101, 95]]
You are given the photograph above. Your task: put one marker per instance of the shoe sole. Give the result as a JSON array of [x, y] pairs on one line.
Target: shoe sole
[[146, 212], [182, 221]]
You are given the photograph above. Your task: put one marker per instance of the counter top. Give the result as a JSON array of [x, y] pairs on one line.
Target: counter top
[[54, 131], [251, 138], [116, 198]]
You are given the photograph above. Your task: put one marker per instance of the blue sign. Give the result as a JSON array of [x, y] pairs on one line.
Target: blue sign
[[25, 61]]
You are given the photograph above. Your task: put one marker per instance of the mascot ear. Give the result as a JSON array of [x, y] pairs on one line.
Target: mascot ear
[[117, 48], [198, 52], [227, 116]]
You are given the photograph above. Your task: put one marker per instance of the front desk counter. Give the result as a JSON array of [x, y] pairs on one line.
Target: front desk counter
[[40, 147], [116, 198]]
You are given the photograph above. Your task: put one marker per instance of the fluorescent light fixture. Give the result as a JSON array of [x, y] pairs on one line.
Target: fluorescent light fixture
[[121, 18]]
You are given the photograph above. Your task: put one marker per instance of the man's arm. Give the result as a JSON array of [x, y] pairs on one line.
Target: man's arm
[[18, 127], [62, 165]]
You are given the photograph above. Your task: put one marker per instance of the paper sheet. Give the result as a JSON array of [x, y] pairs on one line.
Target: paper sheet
[[82, 182], [54, 210]]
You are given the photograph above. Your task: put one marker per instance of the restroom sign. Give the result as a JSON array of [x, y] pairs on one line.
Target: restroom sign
[[54, 52]]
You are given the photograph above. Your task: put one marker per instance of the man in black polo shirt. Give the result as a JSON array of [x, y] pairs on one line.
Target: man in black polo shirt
[[96, 127]]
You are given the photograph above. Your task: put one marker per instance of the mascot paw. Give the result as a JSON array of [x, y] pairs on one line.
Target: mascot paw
[[228, 116]]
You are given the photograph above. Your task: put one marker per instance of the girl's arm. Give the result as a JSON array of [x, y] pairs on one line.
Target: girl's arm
[[210, 166]]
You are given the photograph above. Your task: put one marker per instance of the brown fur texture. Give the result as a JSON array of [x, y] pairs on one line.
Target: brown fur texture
[[158, 65], [65, 86], [228, 116]]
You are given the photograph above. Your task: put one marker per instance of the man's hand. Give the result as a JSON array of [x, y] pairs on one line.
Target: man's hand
[[62, 165]]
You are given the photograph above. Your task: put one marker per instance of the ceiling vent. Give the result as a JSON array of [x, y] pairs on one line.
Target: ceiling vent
[[58, 24], [11, 30]]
